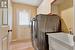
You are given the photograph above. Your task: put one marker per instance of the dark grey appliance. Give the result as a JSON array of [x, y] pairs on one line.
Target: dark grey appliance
[[40, 25]]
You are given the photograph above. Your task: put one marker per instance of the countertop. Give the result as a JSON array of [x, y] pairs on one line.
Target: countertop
[[63, 37]]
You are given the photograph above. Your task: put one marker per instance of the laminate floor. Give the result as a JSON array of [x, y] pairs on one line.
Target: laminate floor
[[21, 46]]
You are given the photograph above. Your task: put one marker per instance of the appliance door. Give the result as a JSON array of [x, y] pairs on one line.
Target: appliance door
[[34, 33]]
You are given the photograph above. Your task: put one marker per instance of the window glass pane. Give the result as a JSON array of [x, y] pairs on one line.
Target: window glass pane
[[24, 18]]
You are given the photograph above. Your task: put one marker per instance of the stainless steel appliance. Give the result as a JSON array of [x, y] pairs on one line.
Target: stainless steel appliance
[[40, 25]]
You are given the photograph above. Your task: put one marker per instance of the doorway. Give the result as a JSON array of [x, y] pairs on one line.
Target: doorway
[[21, 31], [22, 24]]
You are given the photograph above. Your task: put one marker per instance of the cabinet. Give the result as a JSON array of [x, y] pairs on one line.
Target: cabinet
[[60, 41], [58, 45]]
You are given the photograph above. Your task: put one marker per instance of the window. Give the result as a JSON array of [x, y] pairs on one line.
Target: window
[[24, 18]]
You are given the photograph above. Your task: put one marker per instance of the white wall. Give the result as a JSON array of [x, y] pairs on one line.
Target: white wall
[[44, 7]]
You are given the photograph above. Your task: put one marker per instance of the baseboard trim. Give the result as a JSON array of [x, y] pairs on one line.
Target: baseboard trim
[[27, 40]]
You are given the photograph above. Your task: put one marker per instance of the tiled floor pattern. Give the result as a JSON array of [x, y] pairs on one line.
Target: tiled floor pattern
[[21, 46]]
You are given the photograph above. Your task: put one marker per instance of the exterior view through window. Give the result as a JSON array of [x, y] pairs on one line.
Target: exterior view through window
[[24, 18]]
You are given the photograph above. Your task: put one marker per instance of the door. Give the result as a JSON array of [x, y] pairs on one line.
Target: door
[[4, 41], [21, 25]]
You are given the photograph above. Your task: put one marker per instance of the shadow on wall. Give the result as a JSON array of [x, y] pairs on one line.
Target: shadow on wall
[[66, 10], [64, 27], [66, 5]]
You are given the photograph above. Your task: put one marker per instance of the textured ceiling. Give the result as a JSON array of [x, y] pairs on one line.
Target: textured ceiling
[[30, 2]]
